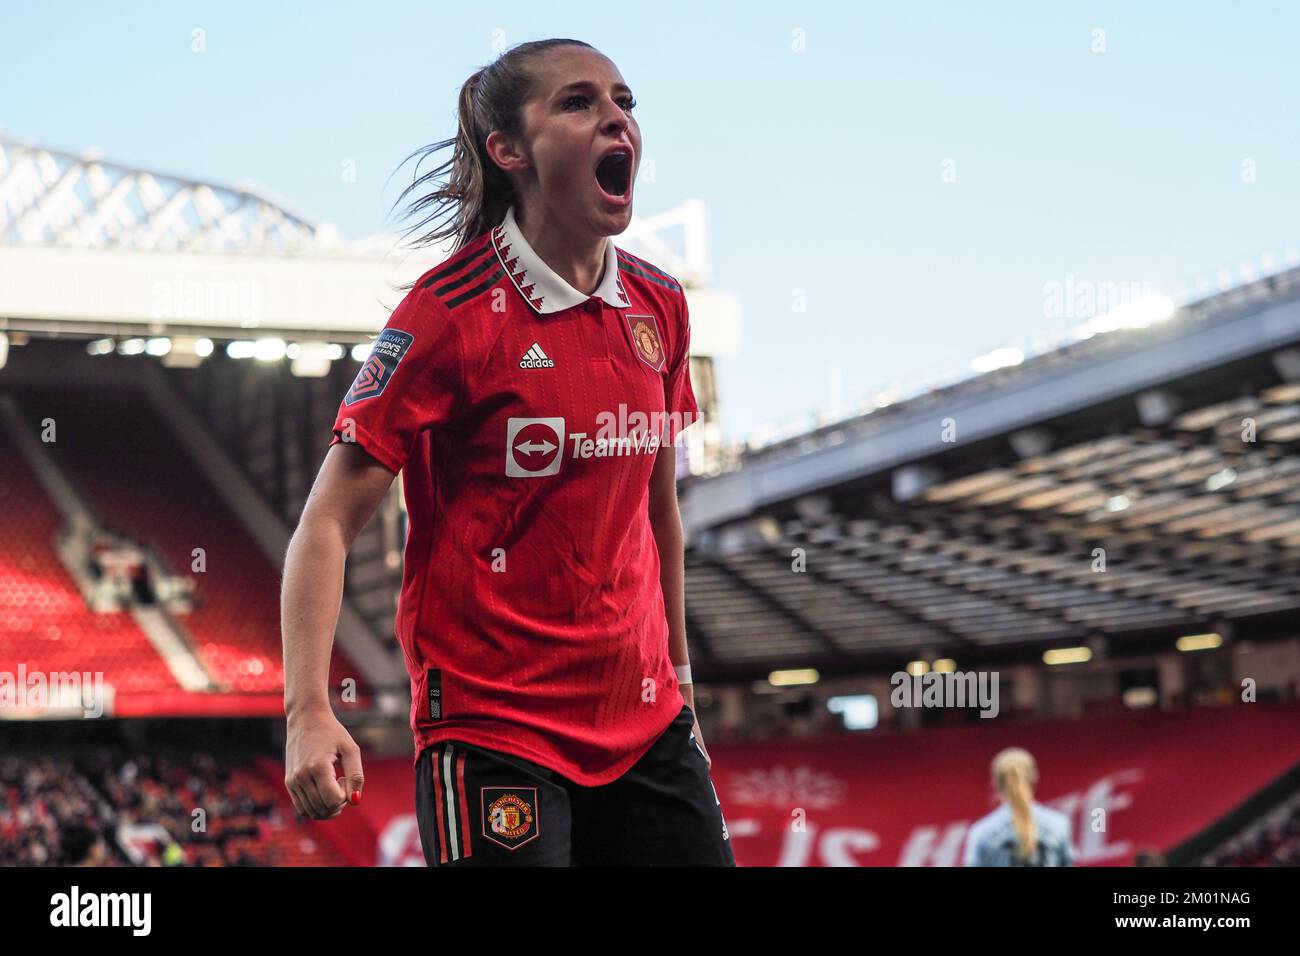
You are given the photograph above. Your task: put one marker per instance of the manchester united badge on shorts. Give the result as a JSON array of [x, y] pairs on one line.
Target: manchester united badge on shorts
[[510, 815], [645, 339]]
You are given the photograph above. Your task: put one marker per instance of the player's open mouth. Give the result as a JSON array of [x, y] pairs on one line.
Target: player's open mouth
[[614, 174]]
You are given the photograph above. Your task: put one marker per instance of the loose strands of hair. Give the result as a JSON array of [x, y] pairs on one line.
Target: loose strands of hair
[[469, 194]]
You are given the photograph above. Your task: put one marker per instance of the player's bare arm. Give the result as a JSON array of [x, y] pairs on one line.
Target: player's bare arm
[[346, 493]]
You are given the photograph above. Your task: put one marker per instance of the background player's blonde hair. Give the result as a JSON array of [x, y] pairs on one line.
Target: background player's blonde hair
[[471, 193], [1014, 774]]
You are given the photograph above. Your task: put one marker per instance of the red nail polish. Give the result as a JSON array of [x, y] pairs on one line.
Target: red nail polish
[[356, 797]]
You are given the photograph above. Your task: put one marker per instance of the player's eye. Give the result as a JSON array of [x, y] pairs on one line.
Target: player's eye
[[627, 102]]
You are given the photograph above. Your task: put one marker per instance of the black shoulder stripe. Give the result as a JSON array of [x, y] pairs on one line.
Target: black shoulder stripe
[[464, 268], [667, 283], [477, 290], [643, 264], [462, 259], [450, 286]]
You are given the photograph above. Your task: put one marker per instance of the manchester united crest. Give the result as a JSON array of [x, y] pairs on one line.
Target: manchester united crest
[[510, 815], [645, 338]]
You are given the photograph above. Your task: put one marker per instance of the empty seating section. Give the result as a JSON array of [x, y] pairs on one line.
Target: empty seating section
[[1194, 523], [45, 625], [120, 454]]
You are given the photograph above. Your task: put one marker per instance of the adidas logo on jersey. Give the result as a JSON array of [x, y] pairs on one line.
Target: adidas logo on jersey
[[536, 358]]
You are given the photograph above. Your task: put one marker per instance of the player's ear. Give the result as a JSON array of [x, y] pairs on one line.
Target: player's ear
[[507, 152]]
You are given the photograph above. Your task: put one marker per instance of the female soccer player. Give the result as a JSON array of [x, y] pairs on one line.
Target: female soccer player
[[531, 387], [1020, 832]]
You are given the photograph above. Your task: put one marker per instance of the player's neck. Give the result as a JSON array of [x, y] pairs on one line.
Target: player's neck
[[577, 259]]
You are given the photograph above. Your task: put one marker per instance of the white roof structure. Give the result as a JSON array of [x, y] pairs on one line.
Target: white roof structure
[[102, 247]]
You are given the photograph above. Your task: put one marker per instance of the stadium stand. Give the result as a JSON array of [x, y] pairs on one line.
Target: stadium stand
[[1199, 526], [152, 809], [277, 427], [119, 452], [46, 625], [1273, 840]]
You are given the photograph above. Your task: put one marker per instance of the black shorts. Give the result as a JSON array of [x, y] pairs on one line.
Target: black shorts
[[479, 807]]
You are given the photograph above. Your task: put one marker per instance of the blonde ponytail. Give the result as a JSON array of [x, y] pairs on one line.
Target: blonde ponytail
[[1014, 774]]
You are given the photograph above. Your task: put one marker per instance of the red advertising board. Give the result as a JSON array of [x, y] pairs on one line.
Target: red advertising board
[[1127, 782]]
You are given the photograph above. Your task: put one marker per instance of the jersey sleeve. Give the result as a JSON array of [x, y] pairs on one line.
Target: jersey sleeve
[[679, 396], [413, 379]]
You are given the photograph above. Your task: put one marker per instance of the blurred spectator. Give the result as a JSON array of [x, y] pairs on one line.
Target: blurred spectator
[[1272, 841], [119, 572], [159, 809], [82, 845]]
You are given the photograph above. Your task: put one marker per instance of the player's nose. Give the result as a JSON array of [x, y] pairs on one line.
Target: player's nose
[[614, 120]]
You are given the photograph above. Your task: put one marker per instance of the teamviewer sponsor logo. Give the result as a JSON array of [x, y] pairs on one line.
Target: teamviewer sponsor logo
[[638, 443], [534, 447]]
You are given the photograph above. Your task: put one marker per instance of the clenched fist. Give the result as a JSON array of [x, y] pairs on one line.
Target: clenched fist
[[317, 745]]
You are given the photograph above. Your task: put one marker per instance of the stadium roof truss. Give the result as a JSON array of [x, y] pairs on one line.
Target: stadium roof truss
[[96, 247], [54, 198], [1159, 496]]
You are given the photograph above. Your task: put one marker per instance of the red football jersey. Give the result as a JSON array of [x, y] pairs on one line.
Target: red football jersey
[[527, 417]]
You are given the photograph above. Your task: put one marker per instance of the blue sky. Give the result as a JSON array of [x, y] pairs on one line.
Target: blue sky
[[823, 169]]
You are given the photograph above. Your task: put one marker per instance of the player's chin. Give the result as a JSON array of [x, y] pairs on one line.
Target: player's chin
[[614, 211]]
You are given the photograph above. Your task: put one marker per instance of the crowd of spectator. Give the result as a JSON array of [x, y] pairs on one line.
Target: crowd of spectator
[[40, 798], [1274, 841], [105, 808]]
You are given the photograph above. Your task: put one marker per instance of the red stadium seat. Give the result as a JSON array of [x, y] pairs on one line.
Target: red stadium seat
[[120, 453], [46, 626]]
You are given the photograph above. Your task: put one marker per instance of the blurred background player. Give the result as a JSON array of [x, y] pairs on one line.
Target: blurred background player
[[1020, 832]]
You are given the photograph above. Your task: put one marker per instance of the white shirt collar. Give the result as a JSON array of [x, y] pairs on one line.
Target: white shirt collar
[[540, 286]]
